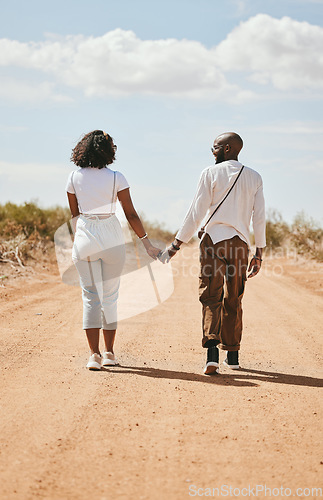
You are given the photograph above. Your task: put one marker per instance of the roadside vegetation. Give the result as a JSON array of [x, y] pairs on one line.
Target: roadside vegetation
[[305, 235], [27, 233]]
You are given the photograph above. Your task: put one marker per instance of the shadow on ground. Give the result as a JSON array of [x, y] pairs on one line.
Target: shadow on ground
[[243, 377]]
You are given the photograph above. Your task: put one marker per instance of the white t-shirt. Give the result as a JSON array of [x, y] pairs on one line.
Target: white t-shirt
[[94, 189]]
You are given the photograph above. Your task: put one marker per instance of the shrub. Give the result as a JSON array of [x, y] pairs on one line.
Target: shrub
[[277, 230], [307, 236], [27, 231], [29, 217]]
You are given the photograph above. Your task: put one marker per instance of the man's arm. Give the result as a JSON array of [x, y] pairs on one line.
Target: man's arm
[[198, 209], [196, 213], [259, 229]]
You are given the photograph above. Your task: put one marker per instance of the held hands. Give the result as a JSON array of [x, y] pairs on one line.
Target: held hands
[[152, 251], [155, 253], [170, 251], [167, 254], [254, 266]]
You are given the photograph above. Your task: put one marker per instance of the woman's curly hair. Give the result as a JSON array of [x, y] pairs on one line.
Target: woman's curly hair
[[95, 150]]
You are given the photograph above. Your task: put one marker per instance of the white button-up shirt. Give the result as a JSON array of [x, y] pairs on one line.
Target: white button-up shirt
[[245, 201]]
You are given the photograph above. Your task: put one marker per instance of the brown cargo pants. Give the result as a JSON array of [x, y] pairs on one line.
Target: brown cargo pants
[[221, 286]]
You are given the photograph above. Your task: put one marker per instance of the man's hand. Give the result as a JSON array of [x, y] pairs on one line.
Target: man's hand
[[167, 254], [254, 266], [170, 251]]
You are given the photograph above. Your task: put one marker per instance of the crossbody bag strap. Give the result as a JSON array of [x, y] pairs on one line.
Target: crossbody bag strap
[[217, 208]]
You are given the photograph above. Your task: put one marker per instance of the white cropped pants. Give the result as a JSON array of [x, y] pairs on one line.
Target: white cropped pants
[[99, 256]]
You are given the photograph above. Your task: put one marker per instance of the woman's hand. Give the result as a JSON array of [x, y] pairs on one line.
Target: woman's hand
[[152, 251]]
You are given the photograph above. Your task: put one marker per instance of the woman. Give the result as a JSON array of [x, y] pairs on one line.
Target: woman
[[99, 249]]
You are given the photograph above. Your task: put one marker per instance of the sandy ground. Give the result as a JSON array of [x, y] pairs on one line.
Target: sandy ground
[[156, 427]]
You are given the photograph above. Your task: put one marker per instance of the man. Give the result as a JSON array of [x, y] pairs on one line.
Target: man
[[224, 246]]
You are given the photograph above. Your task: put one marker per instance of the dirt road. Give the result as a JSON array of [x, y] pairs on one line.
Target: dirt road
[[156, 427]]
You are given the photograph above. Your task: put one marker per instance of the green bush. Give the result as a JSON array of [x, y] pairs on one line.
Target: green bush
[[27, 231], [307, 236], [27, 227], [29, 218], [277, 230]]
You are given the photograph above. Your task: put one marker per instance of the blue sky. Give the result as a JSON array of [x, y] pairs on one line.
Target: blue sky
[[164, 79]]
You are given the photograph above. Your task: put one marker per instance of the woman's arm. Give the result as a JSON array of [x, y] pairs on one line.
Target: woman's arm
[[74, 208], [135, 222]]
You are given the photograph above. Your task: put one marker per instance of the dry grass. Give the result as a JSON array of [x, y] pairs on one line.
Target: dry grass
[[27, 234]]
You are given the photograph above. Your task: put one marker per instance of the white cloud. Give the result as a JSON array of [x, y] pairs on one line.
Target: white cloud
[[23, 91], [119, 63], [20, 182], [240, 7], [293, 127], [12, 128], [24, 172], [284, 52], [313, 165]]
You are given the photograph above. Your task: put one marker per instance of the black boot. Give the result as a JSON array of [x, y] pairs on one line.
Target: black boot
[[212, 361], [212, 355], [232, 360]]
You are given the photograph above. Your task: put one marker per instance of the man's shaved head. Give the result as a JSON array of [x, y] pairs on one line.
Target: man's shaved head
[[231, 138], [227, 146]]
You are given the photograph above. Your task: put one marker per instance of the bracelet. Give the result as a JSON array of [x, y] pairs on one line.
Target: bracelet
[[256, 257], [175, 247], [143, 237]]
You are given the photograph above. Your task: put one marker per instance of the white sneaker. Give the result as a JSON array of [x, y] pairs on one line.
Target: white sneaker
[[211, 368], [94, 362], [228, 365], [109, 359]]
